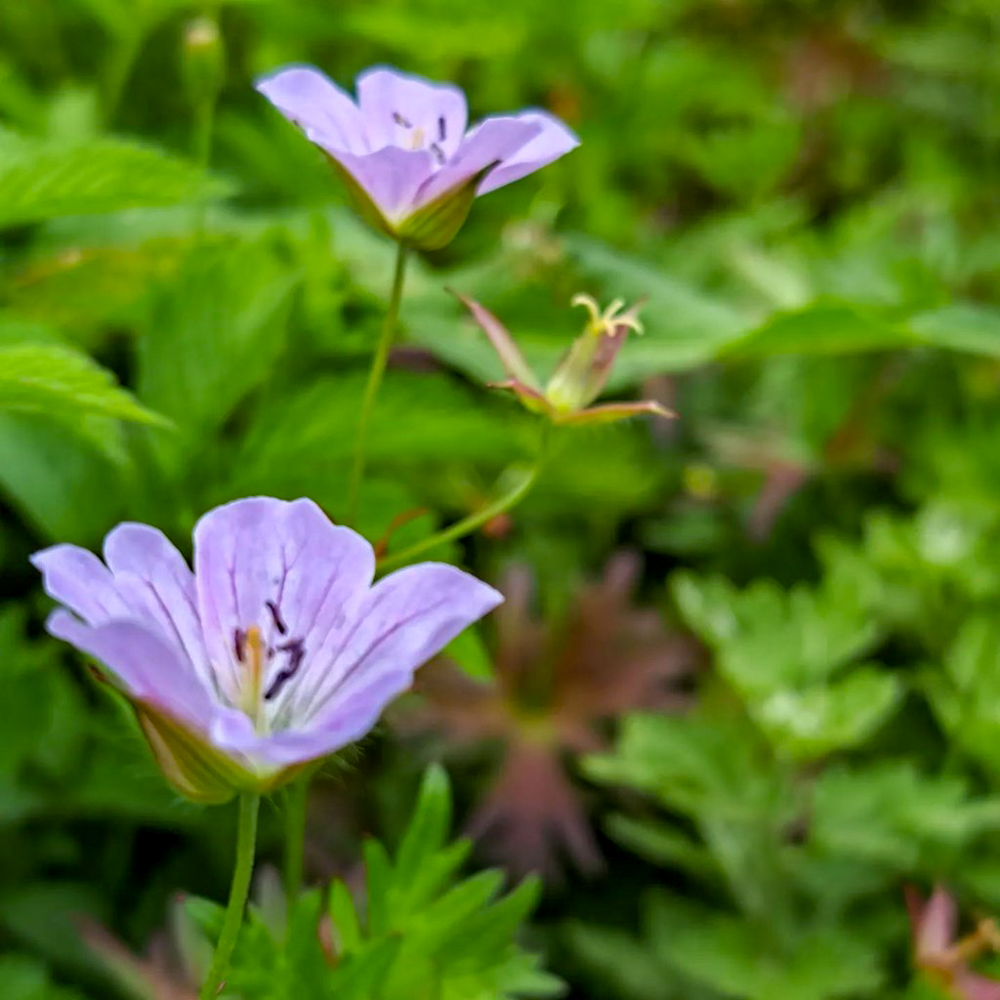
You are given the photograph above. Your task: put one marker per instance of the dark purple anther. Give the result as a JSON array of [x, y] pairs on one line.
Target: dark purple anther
[[239, 643], [279, 622], [296, 653]]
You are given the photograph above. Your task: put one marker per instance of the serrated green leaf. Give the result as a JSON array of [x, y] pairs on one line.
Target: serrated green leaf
[[810, 723], [42, 180], [737, 959], [58, 381]]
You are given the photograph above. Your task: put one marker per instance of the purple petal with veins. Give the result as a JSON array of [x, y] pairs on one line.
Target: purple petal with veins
[[405, 142], [551, 141], [277, 649]]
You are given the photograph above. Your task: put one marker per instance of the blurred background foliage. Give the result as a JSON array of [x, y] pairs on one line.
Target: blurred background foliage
[[727, 747]]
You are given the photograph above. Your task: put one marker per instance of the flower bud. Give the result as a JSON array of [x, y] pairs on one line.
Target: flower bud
[[203, 61]]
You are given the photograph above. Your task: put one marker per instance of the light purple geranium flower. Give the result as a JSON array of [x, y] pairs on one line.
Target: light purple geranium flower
[[404, 149], [276, 651]]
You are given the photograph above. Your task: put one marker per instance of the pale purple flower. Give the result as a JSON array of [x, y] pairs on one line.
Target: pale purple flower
[[405, 150], [276, 651]]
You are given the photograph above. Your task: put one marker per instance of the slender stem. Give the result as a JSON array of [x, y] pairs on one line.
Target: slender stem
[[201, 142], [296, 797], [246, 839], [201, 132], [119, 69], [375, 374], [520, 488]]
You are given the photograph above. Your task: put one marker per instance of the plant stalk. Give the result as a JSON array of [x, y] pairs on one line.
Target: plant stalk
[[375, 374], [246, 840], [510, 498]]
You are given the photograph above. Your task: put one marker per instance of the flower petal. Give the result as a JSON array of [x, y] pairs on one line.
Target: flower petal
[[503, 343], [147, 667], [77, 578], [355, 715], [494, 141], [390, 178], [408, 111], [318, 106], [552, 140], [407, 618], [157, 586], [259, 552]]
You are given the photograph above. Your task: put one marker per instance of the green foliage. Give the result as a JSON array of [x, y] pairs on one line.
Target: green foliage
[[44, 180], [805, 196], [421, 932], [41, 378], [786, 654]]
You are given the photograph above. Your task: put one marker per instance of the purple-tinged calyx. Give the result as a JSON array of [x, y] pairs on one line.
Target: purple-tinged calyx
[[580, 376], [404, 150], [277, 650]]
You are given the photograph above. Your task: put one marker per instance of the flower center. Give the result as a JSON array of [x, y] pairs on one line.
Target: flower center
[[255, 658], [414, 137]]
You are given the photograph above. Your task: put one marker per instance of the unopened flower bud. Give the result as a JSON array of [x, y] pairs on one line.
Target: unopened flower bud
[[203, 63]]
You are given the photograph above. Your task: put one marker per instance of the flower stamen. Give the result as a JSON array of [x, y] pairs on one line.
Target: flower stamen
[[296, 653], [251, 645], [279, 622]]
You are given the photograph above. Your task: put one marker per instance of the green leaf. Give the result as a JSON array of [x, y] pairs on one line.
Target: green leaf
[[43, 180], [214, 333], [738, 959], [823, 327], [428, 827], [25, 978], [810, 723], [347, 926], [768, 638], [61, 481], [888, 813], [378, 888], [61, 382], [960, 327], [659, 843], [44, 915]]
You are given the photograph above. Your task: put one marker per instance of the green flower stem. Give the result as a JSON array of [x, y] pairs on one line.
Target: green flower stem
[[120, 66], [202, 127], [519, 489], [375, 374], [296, 797], [246, 839]]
